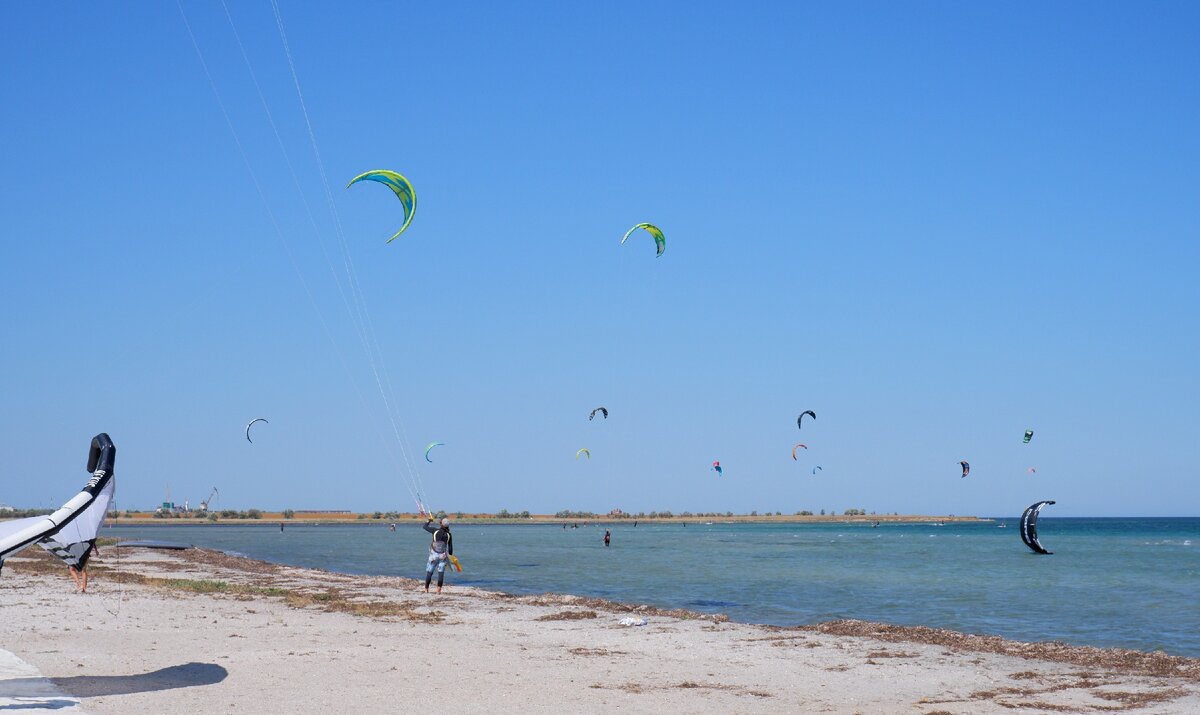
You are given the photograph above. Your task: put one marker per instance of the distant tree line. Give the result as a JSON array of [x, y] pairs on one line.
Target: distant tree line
[[24, 513], [211, 515], [502, 514], [568, 514]]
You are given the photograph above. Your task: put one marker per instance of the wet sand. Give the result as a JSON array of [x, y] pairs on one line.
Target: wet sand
[[202, 631]]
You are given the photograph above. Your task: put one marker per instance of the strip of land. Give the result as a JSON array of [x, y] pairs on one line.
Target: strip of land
[[346, 517], [201, 631]]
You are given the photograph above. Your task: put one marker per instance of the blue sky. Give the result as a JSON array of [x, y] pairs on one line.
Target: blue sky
[[936, 225]]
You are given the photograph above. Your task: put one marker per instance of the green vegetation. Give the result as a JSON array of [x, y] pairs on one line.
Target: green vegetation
[[568, 514], [231, 514], [196, 585]]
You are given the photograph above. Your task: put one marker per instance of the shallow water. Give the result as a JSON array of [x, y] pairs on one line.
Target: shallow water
[[1132, 583]]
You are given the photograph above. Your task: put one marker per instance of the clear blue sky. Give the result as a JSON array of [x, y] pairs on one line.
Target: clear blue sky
[[935, 224]]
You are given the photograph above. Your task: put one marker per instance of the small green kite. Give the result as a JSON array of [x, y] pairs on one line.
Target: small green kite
[[655, 231], [398, 184]]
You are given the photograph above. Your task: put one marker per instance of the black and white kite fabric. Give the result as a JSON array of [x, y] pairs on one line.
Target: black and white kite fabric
[[74, 555], [1029, 527], [69, 533]]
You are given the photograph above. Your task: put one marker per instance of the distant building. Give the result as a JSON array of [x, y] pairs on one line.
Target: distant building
[[616, 512]]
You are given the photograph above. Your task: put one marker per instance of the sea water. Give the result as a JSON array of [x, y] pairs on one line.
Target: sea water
[[1127, 582]]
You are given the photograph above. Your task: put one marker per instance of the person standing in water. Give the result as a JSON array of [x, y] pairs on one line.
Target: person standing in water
[[607, 537], [441, 548]]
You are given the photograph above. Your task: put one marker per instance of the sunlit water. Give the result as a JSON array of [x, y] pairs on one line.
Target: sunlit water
[[1132, 583]]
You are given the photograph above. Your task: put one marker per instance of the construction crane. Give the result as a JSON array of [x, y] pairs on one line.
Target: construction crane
[[207, 502]]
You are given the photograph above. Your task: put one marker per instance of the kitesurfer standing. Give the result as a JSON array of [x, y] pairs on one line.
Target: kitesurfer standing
[[607, 537], [441, 548], [79, 573]]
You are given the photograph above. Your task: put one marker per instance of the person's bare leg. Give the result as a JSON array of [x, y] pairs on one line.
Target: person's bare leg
[[83, 581], [74, 577]]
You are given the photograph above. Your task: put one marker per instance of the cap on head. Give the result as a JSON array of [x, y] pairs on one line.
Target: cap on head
[[445, 522]]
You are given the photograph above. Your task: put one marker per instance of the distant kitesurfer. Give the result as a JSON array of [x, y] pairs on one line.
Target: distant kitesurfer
[[441, 548], [392, 527], [281, 526], [607, 537]]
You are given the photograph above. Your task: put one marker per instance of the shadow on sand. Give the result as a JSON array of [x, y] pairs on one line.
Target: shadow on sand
[[30, 692], [176, 676]]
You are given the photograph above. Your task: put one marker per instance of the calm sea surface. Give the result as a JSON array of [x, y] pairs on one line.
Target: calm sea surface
[[1126, 582]]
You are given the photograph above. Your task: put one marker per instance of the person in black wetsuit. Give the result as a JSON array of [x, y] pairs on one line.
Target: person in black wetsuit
[[607, 537], [441, 548]]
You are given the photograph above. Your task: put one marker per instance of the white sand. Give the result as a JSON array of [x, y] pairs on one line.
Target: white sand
[[158, 649]]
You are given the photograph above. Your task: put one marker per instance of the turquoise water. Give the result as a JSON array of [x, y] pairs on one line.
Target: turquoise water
[[1133, 583]]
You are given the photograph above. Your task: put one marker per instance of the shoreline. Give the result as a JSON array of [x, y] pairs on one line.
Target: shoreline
[[274, 518], [288, 638], [1141, 662]]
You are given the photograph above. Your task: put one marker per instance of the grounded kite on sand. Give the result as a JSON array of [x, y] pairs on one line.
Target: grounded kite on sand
[[70, 532]]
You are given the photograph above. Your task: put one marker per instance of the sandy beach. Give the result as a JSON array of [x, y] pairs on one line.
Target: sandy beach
[[202, 631]]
